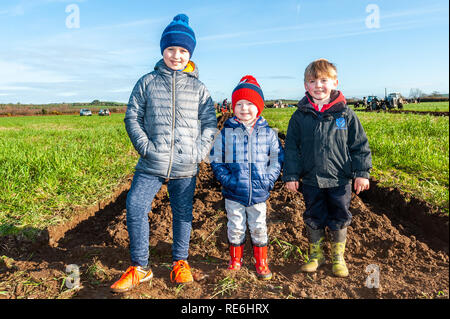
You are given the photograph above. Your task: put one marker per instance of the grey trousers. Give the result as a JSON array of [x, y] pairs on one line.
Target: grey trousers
[[238, 216]]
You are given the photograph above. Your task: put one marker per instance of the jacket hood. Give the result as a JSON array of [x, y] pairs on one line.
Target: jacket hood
[[235, 123], [337, 102], [190, 70]]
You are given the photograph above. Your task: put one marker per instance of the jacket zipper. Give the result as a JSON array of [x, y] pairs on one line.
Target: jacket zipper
[[250, 167], [172, 142]]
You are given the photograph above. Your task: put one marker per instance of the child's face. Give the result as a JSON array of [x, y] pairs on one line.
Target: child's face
[[320, 89], [176, 58], [245, 111]]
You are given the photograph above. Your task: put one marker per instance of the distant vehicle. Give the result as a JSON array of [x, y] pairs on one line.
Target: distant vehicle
[[394, 100], [370, 98], [373, 103], [85, 112], [104, 112]]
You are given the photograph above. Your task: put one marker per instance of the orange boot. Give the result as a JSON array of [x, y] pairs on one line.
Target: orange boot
[[236, 253], [262, 268]]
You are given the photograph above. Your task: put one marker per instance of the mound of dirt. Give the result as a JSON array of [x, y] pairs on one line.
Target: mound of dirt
[[396, 249]]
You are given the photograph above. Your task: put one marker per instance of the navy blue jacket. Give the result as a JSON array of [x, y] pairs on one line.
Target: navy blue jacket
[[247, 164], [326, 149]]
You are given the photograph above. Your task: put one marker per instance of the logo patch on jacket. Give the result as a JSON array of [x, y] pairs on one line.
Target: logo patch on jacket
[[340, 124]]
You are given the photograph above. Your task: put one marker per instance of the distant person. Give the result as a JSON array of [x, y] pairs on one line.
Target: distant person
[[326, 147], [171, 122], [224, 107], [246, 159]]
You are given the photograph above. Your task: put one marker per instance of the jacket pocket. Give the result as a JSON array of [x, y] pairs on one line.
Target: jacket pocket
[[348, 169], [232, 184], [306, 163], [348, 165], [149, 150]]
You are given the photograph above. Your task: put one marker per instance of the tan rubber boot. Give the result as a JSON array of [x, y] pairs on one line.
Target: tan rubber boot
[[316, 258], [339, 239]]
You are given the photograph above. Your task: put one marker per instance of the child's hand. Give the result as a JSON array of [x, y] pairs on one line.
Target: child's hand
[[361, 184], [292, 186]]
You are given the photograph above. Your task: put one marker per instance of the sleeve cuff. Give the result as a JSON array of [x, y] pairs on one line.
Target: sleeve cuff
[[290, 178], [362, 174]]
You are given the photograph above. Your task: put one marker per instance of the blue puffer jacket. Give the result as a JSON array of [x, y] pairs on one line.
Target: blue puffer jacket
[[247, 164]]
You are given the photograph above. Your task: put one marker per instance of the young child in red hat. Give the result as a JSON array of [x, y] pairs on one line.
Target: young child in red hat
[[247, 161]]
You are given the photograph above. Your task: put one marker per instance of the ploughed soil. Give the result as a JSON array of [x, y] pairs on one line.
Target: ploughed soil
[[397, 247]]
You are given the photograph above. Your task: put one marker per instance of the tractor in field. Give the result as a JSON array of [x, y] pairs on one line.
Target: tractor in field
[[279, 104], [360, 103], [373, 103], [394, 100]]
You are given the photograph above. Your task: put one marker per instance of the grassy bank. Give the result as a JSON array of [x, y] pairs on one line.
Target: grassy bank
[[411, 152], [428, 106], [49, 165]]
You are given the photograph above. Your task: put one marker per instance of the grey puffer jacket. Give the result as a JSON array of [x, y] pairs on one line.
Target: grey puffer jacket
[[171, 122]]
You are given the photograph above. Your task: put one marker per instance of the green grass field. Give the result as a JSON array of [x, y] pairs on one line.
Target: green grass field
[[427, 107], [409, 151], [51, 164]]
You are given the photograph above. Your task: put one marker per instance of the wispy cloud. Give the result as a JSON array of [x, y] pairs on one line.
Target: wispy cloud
[[420, 11], [13, 72], [110, 51], [25, 6], [395, 26], [389, 22], [16, 88], [67, 94], [264, 31], [121, 90], [128, 24], [277, 77]]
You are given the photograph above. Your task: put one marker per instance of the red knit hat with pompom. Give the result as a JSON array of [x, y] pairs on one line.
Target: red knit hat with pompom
[[248, 89]]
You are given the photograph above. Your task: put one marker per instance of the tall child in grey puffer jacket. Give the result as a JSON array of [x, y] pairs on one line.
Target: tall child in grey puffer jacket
[[171, 122], [326, 147]]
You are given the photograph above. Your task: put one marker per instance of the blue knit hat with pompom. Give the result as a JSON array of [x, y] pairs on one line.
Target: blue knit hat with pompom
[[178, 33]]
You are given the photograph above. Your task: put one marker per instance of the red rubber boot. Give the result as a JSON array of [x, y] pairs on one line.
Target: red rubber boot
[[262, 268], [236, 253]]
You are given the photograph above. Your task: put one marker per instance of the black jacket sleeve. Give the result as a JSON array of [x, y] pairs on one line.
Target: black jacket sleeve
[[358, 145], [292, 169]]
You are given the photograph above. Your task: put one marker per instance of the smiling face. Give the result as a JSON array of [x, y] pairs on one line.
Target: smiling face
[[245, 111], [176, 58], [320, 89]]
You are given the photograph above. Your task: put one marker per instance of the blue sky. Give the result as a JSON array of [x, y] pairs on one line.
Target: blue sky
[[44, 61]]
